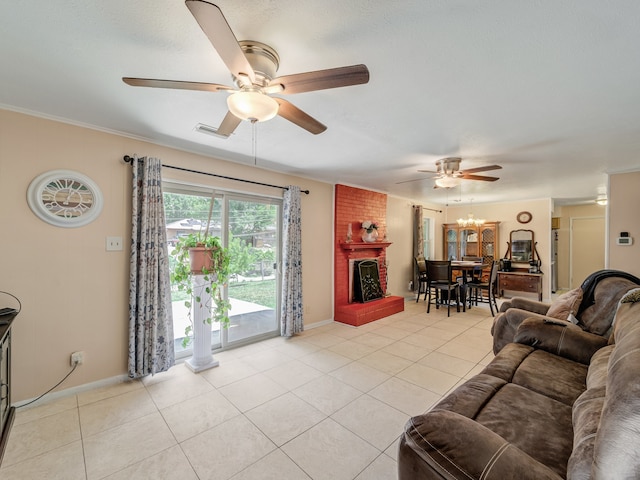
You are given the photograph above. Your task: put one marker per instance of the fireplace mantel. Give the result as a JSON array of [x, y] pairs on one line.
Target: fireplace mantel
[[364, 245]]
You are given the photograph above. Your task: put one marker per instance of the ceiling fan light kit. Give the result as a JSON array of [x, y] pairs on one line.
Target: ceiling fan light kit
[[253, 66], [252, 105], [448, 182]]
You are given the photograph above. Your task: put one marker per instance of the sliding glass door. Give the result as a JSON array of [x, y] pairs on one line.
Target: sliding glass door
[[253, 237], [250, 228]]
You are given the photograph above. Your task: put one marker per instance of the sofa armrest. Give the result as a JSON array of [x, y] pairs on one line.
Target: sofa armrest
[[446, 445], [530, 305], [505, 326], [560, 338]]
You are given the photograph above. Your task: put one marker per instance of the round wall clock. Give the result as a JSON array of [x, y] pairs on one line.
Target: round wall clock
[[64, 198], [524, 217]]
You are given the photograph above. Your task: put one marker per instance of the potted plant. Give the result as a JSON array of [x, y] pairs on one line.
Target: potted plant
[[195, 254]]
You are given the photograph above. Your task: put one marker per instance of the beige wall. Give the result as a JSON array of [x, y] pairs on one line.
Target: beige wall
[[75, 294], [624, 199], [400, 253]]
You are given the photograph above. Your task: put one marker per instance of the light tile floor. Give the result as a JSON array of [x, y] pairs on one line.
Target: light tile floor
[[327, 404]]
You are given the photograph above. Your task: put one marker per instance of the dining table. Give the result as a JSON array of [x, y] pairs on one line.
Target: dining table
[[466, 267]]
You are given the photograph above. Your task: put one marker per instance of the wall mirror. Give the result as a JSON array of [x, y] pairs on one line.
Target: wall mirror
[[522, 246]]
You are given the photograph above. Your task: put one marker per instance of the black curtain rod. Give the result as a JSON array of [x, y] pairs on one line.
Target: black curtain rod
[[432, 209], [129, 159]]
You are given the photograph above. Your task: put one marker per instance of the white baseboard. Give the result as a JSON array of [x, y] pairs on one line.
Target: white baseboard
[[318, 324], [105, 382]]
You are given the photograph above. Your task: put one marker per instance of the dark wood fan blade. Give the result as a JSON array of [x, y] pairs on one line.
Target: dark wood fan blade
[[481, 169], [292, 113], [177, 84], [323, 79], [466, 176], [228, 125], [219, 33], [427, 171]]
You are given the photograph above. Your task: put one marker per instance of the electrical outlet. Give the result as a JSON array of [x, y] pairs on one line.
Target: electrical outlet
[[77, 358], [114, 244]]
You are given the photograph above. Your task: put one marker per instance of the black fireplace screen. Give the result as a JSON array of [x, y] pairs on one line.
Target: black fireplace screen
[[366, 281]]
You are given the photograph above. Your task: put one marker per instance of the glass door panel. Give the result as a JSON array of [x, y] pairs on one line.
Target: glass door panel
[[253, 238], [187, 213], [468, 243], [451, 239]]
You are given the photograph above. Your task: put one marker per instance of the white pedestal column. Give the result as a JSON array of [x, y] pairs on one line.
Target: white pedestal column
[[202, 358]]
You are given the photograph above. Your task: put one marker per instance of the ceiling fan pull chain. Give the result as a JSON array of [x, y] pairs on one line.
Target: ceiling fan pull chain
[[254, 141]]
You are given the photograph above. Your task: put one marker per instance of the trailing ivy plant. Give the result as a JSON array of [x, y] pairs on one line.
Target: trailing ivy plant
[[214, 279]]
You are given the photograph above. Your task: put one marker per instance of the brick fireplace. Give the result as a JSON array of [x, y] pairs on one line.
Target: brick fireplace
[[353, 206]]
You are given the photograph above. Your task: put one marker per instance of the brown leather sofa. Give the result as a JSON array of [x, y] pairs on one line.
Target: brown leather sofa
[[532, 414], [597, 298]]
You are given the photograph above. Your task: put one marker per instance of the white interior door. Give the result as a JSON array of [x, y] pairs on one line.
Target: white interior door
[[587, 243]]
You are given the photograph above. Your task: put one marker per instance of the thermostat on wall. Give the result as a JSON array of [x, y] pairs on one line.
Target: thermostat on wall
[[624, 241]]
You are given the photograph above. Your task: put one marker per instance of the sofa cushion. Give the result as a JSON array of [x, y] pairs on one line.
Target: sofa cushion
[[538, 425], [597, 373], [616, 449], [442, 444], [559, 337], [586, 417], [501, 415], [542, 372], [565, 305]]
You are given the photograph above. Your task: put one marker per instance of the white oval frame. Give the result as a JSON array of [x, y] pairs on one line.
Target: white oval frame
[[35, 202]]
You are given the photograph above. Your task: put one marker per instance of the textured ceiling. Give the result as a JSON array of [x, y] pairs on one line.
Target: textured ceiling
[[546, 89]]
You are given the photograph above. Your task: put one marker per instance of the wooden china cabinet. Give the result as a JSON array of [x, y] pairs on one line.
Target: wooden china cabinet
[[471, 241]]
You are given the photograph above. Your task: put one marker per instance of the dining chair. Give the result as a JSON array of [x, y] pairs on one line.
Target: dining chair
[[476, 274], [478, 289], [421, 269], [439, 281]]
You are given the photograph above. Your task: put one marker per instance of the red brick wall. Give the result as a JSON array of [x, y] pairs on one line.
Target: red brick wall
[[353, 206]]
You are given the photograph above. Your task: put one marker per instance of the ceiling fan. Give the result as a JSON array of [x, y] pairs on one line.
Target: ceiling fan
[[449, 175], [253, 66]]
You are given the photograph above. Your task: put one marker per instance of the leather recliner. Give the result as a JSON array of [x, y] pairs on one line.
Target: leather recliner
[[526, 321]]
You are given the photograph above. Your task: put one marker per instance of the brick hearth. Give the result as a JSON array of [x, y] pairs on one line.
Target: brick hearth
[[353, 206]]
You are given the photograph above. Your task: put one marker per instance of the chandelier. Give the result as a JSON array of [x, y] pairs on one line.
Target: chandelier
[[470, 221]]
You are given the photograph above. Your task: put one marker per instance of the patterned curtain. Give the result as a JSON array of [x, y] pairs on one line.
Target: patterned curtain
[[418, 241], [150, 315], [291, 318]]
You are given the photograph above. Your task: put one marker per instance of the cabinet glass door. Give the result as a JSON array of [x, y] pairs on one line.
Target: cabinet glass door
[[451, 243], [487, 245], [468, 242]]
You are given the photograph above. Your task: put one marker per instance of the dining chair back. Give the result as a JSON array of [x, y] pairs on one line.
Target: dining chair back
[[439, 281], [421, 275], [486, 291]]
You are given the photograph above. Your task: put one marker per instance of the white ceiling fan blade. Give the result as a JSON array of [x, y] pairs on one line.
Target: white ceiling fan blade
[[175, 84], [216, 28], [413, 180], [292, 113], [228, 125]]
